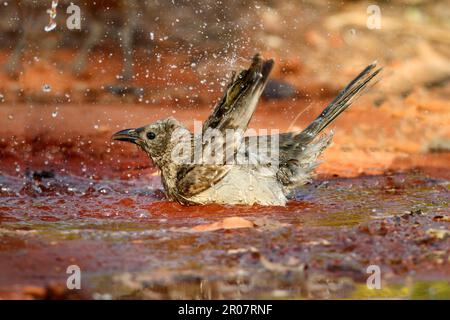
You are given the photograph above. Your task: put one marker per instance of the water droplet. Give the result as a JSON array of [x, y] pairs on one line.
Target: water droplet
[[46, 88], [50, 27], [52, 14]]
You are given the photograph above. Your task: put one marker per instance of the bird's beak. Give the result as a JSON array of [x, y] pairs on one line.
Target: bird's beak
[[129, 135]]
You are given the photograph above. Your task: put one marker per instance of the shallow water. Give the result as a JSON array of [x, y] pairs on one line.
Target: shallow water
[[130, 242]]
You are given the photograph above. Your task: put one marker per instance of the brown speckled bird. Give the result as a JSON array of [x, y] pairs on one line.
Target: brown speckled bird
[[267, 182]]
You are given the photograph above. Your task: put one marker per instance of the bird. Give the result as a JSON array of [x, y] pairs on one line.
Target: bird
[[204, 167]]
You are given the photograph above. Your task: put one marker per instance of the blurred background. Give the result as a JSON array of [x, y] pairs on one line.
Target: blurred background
[[65, 89]]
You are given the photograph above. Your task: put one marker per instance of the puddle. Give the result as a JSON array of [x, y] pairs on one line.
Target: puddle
[[120, 232]]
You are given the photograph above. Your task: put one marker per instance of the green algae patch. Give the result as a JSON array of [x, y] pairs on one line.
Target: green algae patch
[[420, 290]]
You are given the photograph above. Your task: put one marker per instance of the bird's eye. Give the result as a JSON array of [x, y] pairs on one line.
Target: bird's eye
[[151, 135]]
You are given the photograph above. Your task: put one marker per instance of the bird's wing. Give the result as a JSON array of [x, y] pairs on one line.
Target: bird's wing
[[195, 179], [239, 101], [234, 112]]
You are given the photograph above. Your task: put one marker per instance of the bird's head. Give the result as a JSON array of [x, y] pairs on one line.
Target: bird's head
[[155, 139]]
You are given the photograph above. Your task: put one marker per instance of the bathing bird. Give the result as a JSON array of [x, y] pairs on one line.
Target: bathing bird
[[222, 164]]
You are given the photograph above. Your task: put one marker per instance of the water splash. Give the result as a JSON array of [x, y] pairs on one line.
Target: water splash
[[52, 14]]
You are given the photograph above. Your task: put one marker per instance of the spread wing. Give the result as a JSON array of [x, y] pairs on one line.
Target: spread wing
[[238, 104], [233, 111]]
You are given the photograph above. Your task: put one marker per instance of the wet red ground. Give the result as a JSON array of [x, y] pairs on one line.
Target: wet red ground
[[130, 242]]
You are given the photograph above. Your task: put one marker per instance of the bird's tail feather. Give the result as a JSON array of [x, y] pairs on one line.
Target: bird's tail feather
[[343, 100]]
